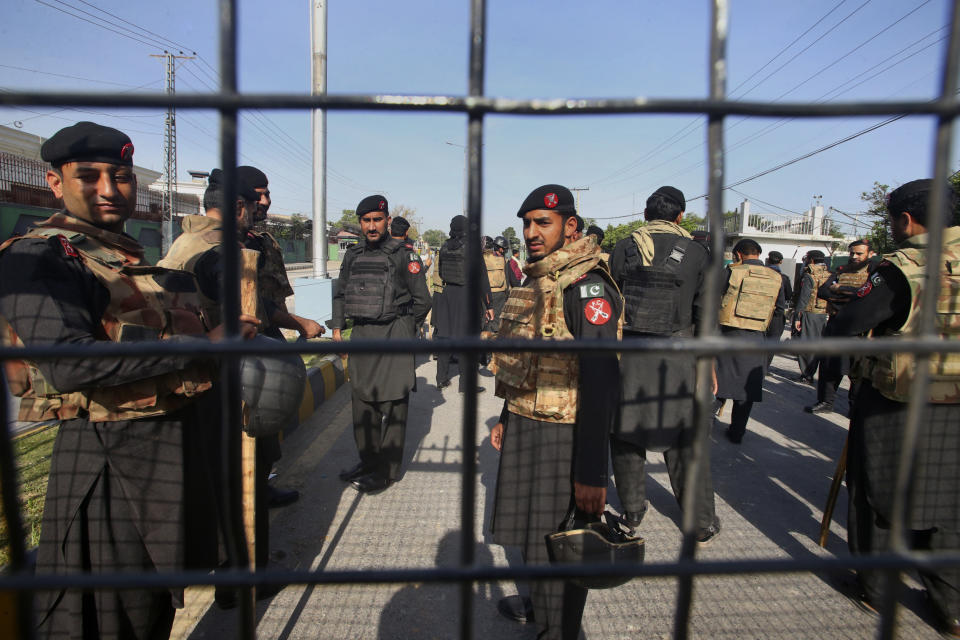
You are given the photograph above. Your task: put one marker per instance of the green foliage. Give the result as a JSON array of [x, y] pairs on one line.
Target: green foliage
[[879, 235], [691, 222], [434, 237], [347, 221], [32, 454], [613, 234]]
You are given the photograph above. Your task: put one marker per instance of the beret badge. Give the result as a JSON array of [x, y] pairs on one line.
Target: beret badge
[[126, 153], [550, 200]]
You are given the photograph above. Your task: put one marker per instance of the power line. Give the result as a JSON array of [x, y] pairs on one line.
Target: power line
[[152, 33], [769, 204], [97, 24]]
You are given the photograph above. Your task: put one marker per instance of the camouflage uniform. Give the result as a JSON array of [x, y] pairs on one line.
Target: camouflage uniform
[[131, 444], [568, 295], [888, 304]]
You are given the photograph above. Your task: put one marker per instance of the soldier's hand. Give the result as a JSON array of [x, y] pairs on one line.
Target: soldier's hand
[[496, 436], [248, 329], [590, 499], [310, 328], [796, 325], [488, 314], [338, 337]]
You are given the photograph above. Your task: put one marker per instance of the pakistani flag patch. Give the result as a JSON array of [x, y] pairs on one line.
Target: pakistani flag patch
[[592, 290]]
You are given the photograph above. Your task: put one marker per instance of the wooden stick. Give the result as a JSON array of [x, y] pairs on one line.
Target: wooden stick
[[248, 305], [834, 493]]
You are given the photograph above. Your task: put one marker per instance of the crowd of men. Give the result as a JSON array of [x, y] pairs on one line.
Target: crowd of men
[[138, 436]]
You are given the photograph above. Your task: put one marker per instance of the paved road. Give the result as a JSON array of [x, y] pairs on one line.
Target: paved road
[[770, 492]]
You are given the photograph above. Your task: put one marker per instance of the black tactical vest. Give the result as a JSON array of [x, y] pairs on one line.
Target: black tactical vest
[[453, 268], [651, 293], [370, 292]]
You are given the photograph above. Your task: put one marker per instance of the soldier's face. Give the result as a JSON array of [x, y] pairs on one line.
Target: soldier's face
[[100, 193], [246, 214], [545, 231], [374, 225], [859, 253], [263, 205]]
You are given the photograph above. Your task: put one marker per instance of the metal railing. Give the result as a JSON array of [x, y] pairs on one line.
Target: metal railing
[[476, 105]]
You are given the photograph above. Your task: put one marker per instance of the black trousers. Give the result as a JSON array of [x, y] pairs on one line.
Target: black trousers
[[443, 369], [775, 330], [629, 462], [739, 417], [379, 429]]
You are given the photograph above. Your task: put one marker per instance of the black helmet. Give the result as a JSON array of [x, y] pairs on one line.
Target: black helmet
[[501, 242], [272, 389], [607, 543], [487, 242]]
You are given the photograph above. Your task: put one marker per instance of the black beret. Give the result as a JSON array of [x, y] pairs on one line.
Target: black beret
[[553, 197], [244, 189], [253, 176], [398, 226], [372, 203], [673, 194], [775, 256], [88, 142], [594, 230]]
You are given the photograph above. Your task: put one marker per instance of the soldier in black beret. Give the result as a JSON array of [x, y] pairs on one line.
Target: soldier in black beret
[[383, 289], [553, 430], [132, 446]]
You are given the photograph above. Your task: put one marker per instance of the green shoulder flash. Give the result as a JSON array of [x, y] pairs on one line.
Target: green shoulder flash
[[592, 290]]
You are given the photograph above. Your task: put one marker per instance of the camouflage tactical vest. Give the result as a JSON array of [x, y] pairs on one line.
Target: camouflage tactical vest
[[543, 386], [146, 303], [453, 268], [200, 234], [496, 271], [820, 275], [850, 279], [892, 374], [751, 297], [272, 281]]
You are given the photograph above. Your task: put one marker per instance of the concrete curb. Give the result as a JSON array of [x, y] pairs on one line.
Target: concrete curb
[[322, 381]]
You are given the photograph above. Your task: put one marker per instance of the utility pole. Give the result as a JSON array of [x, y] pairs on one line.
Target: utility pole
[[318, 67], [169, 151], [578, 190]]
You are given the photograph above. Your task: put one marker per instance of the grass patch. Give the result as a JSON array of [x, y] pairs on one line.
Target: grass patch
[[33, 466]]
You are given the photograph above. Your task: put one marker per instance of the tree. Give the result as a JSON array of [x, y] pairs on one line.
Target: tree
[[347, 221], [692, 222], [879, 235], [613, 234], [434, 237], [510, 235], [403, 211]]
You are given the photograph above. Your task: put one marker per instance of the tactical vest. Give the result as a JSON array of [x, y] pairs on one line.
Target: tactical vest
[[272, 281], [370, 293], [751, 297], [651, 293], [146, 303], [851, 279], [820, 275], [200, 234], [496, 271], [453, 267], [436, 282], [543, 386], [892, 374]]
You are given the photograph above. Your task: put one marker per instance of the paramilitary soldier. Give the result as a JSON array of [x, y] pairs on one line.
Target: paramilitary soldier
[[778, 322], [452, 305], [810, 311], [131, 444], [659, 269], [496, 264], [888, 303], [199, 250], [837, 291], [751, 293], [558, 409], [382, 289]]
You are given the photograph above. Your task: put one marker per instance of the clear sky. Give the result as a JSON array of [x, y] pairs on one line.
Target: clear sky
[[798, 51]]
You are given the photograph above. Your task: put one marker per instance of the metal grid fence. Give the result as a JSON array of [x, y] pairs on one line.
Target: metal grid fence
[[476, 105]]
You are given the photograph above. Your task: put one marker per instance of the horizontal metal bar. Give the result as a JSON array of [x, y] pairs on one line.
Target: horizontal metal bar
[[480, 105], [704, 346], [47, 582]]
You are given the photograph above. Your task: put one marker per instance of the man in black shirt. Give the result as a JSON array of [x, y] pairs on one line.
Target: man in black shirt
[[383, 290]]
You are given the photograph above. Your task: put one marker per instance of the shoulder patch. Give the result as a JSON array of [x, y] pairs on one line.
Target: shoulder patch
[[413, 267], [413, 257], [597, 311], [592, 290], [68, 249]]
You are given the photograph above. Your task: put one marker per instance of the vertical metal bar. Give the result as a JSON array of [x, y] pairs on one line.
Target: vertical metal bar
[[919, 393], [230, 300], [9, 488], [708, 322], [318, 122], [478, 23]]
